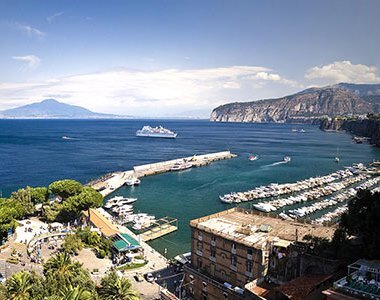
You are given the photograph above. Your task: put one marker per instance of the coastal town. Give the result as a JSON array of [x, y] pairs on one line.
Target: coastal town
[[235, 254], [189, 150]]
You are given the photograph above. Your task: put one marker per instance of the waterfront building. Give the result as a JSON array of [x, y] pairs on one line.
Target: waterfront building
[[231, 252]]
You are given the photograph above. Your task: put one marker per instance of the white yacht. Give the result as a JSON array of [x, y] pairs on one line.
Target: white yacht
[[132, 181]]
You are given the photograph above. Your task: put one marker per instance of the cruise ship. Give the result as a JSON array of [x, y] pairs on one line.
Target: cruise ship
[[159, 132]]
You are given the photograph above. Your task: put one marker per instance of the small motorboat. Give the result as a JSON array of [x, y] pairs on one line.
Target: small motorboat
[[132, 181], [253, 157], [337, 159], [287, 159]]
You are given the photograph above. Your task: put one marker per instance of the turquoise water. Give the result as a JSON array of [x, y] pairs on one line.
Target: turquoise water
[[32, 152]]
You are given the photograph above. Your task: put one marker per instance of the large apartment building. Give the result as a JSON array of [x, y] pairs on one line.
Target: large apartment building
[[230, 251]]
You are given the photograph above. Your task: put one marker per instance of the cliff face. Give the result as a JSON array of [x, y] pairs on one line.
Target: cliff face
[[306, 106], [367, 128]]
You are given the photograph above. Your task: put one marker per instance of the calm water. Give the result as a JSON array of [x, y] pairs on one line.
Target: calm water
[[32, 152]]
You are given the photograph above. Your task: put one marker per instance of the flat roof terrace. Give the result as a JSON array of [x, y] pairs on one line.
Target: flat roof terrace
[[255, 229]]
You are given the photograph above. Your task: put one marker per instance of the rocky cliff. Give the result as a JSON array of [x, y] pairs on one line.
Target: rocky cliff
[[310, 105], [369, 127]]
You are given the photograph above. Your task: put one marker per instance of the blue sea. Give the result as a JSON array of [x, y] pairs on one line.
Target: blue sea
[[32, 152]]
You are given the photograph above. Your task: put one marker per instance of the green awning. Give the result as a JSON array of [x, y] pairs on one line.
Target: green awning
[[124, 242]]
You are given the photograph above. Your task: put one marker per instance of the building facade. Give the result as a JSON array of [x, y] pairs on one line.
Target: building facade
[[230, 252]]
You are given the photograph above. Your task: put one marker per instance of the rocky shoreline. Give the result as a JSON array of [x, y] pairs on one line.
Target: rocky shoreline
[[369, 128]]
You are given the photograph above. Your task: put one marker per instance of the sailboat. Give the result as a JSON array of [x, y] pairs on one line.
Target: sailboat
[[337, 159]]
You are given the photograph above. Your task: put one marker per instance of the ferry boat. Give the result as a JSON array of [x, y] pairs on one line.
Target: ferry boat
[[158, 132]]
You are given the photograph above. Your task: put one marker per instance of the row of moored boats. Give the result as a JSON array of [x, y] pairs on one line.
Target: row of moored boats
[[276, 190], [309, 195], [123, 208]]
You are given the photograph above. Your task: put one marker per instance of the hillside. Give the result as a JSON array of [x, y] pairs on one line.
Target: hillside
[[51, 108], [306, 106]]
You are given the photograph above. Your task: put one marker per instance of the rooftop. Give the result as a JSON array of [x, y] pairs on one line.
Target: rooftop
[[300, 287], [255, 229], [105, 226]]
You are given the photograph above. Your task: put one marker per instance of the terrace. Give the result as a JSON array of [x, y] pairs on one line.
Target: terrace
[[362, 280]]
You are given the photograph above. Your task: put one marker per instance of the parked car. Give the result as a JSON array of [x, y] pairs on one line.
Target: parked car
[[149, 277]]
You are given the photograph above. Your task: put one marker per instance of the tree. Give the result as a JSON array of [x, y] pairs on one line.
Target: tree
[[24, 197], [362, 220], [115, 288], [66, 188], [76, 293], [52, 212], [60, 271], [38, 194], [72, 244], [20, 286]]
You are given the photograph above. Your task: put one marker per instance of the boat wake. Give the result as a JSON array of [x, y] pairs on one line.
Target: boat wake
[[67, 138], [205, 185]]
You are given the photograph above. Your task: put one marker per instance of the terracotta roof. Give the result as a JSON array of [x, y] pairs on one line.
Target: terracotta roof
[[101, 222], [300, 287]]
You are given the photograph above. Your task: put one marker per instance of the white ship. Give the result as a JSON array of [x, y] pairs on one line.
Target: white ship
[[159, 132]]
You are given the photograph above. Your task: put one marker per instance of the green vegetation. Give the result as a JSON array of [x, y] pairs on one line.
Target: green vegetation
[[72, 244], [115, 288], [362, 221], [65, 280], [131, 266], [65, 188], [21, 203], [85, 238], [358, 234]]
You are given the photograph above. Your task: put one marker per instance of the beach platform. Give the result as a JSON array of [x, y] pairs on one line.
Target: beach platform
[[161, 227], [108, 183]]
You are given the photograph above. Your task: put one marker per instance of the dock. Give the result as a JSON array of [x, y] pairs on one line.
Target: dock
[[108, 183], [160, 228]]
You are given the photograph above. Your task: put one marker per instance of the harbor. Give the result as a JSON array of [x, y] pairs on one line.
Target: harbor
[[300, 200], [107, 184]]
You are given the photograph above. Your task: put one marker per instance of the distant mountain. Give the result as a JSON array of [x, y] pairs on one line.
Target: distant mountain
[[306, 106], [51, 108]]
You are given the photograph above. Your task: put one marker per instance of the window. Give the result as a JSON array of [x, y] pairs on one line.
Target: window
[[213, 238], [199, 263], [249, 251], [233, 246], [213, 251], [233, 260], [249, 266], [199, 246]]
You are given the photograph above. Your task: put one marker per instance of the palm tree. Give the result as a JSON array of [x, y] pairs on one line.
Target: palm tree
[[116, 288], [19, 286], [77, 293], [61, 273]]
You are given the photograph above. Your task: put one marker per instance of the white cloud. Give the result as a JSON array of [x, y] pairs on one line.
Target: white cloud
[[31, 61], [29, 30], [53, 16], [344, 71], [160, 92]]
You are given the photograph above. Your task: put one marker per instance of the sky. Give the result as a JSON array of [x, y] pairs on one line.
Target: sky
[[173, 58]]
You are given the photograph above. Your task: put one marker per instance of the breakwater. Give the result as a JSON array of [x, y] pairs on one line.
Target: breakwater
[[112, 181]]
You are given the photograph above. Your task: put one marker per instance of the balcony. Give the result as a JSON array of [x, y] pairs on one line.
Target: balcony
[[200, 238], [212, 258], [199, 253], [233, 250], [213, 243], [249, 256], [233, 268]]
